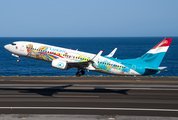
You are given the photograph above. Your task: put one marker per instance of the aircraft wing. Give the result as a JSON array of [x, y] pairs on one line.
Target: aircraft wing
[[112, 53], [85, 63], [80, 64]]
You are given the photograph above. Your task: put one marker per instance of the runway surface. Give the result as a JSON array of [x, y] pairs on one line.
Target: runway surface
[[26, 97]]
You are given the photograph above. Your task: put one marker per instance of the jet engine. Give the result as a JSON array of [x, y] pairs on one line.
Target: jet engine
[[60, 64]]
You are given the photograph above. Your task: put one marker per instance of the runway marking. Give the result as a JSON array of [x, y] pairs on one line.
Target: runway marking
[[76, 96], [111, 118], [92, 108], [90, 88], [141, 88], [90, 85], [92, 81]]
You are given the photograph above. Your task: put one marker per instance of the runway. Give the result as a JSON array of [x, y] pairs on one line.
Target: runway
[[88, 98]]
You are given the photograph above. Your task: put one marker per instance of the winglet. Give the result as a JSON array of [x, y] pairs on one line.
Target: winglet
[[97, 56], [112, 53]]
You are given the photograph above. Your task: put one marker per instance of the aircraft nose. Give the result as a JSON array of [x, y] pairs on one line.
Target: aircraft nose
[[7, 47]]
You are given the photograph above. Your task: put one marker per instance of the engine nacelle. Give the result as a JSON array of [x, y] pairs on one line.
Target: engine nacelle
[[60, 64]]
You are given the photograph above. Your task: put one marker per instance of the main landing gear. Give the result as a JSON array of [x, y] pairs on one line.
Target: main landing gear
[[79, 73]]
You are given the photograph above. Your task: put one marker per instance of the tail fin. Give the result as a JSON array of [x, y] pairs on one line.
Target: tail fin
[[154, 56]]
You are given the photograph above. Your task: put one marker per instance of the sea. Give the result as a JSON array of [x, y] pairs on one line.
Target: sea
[[128, 47]]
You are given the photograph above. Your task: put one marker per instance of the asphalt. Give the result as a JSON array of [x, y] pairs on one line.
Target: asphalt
[[89, 80], [89, 96]]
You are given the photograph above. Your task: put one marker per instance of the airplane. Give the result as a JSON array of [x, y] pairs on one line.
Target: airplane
[[64, 59]]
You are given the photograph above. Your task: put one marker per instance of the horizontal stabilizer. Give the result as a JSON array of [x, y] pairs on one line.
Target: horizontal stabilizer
[[162, 68], [157, 69]]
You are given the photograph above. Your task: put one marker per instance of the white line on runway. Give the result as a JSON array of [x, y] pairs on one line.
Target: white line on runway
[[55, 95], [89, 88], [141, 88], [88, 85], [75, 96], [92, 108]]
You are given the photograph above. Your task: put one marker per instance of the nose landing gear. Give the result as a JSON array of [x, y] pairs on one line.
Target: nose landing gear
[[18, 60], [79, 73]]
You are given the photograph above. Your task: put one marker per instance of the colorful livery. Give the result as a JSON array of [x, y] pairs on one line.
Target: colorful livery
[[64, 59]]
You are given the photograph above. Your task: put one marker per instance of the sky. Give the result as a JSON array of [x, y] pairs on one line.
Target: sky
[[88, 18]]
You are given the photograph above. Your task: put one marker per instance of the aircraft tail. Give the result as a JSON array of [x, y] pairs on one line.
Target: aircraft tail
[[154, 56]]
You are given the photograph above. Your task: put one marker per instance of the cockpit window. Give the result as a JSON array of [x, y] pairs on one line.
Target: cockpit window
[[13, 44]]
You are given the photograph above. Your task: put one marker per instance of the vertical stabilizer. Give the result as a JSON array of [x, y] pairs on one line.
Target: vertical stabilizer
[[154, 56]]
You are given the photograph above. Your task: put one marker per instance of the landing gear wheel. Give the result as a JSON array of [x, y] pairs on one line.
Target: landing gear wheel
[[78, 74], [83, 72]]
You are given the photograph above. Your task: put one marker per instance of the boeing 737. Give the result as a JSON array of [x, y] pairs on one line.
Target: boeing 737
[[65, 59]]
